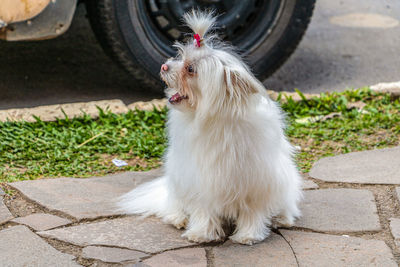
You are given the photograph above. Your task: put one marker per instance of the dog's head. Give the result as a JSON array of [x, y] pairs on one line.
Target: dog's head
[[207, 76]]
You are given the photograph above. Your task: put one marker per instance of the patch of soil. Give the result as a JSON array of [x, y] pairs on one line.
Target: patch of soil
[[72, 250], [19, 207], [135, 161]]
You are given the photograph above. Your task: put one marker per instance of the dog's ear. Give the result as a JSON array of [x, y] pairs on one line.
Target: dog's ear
[[240, 82]]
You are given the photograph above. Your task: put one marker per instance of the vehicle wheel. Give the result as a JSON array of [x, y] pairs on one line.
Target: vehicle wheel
[[138, 34]]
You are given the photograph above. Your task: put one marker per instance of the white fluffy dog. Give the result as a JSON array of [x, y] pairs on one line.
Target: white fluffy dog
[[228, 159]]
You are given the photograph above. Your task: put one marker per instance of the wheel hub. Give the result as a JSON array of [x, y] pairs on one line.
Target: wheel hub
[[243, 23]]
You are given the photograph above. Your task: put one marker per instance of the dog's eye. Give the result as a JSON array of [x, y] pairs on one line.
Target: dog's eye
[[190, 69]]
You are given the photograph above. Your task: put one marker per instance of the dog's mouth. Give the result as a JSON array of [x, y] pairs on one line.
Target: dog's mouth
[[177, 98]]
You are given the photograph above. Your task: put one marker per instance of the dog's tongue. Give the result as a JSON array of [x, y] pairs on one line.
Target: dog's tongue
[[176, 98]]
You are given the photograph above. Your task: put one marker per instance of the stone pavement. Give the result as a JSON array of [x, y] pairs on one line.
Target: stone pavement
[[351, 217]]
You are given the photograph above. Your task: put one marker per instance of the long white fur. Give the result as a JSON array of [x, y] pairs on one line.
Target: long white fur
[[228, 158]]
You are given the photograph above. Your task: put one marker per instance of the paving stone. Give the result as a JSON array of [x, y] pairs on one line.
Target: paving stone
[[42, 221], [113, 255], [21, 247], [83, 198], [194, 257], [5, 214], [395, 228], [380, 166], [51, 112], [308, 184], [273, 251], [339, 210], [313, 249], [149, 235]]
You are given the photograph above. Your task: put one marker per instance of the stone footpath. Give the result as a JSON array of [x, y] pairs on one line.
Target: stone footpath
[[351, 217]]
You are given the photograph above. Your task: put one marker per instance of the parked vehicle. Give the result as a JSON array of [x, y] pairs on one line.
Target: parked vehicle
[[138, 34]]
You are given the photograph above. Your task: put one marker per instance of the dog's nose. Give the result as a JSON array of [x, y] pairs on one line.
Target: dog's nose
[[164, 67]]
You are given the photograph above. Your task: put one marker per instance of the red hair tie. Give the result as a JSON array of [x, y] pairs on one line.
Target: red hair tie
[[197, 39]]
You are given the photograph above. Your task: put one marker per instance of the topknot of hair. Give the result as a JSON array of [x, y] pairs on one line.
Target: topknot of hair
[[201, 22]]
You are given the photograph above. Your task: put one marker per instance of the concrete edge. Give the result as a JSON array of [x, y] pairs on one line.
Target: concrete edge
[[60, 111], [392, 88], [73, 110]]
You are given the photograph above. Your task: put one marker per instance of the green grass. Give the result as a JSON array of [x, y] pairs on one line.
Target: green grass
[[377, 125], [84, 147], [81, 146]]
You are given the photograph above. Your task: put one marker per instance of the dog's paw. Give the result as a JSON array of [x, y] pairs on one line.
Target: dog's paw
[[246, 240], [201, 238], [283, 221], [196, 238], [179, 220], [249, 237], [181, 224]]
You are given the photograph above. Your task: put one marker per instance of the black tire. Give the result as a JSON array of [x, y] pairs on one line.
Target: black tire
[[119, 26]]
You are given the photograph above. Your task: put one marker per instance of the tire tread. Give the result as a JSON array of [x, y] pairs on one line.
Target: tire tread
[[103, 22]]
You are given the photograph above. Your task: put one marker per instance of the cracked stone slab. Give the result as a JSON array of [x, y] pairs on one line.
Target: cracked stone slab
[[395, 229], [195, 257], [112, 255], [5, 214], [380, 166], [83, 198], [339, 210], [308, 184], [149, 235], [273, 251], [41, 221], [332, 250], [398, 193], [21, 247]]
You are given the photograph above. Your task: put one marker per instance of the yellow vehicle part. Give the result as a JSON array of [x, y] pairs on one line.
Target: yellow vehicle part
[[35, 19], [20, 10]]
